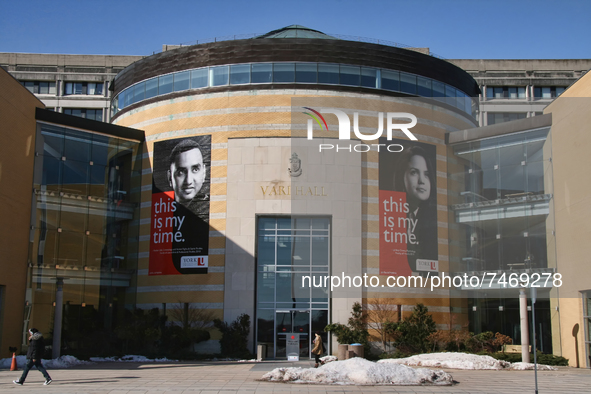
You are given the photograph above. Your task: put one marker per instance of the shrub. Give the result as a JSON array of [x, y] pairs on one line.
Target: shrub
[[412, 333], [234, 342], [356, 329]]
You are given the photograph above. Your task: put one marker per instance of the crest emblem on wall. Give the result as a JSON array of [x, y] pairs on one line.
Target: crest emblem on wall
[[296, 165]]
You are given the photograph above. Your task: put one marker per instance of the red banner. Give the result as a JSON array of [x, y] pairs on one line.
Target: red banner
[[396, 232]]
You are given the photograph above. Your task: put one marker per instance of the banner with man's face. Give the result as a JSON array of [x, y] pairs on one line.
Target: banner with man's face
[[179, 236], [408, 208]]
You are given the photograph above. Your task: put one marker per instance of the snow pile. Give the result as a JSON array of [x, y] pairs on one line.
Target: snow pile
[[361, 372], [451, 360], [61, 362], [530, 367], [463, 361], [130, 358], [328, 359]]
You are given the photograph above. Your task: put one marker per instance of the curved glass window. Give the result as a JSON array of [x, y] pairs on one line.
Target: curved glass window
[[182, 81], [239, 74], [309, 73]]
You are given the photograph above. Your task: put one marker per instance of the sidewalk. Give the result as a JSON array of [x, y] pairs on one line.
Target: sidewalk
[[225, 377]]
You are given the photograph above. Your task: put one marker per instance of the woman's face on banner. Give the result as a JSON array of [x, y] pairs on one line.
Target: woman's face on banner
[[416, 179]]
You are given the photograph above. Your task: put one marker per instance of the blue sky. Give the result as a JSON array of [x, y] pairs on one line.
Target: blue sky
[[469, 29]]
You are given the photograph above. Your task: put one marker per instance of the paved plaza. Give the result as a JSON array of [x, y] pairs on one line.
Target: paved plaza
[[225, 377]]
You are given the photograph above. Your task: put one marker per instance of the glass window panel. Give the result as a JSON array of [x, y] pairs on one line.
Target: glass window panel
[[71, 249], [266, 250], [284, 223], [266, 287], [369, 77], [53, 143], [512, 93], [95, 247], [99, 88], [320, 251], [301, 223], [559, 91], [165, 84], [535, 150], [537, 92], [78, 88], [301, 251], [52, 88], [69, 88], [490, 184], [139, 92], [52, 173], [328, 73], [391, 80], [44, 87], [511, 150], [284, 287], [262, 73], [75, 177], [239, 74], [319, 223], [98, 180], [450, 94], [266, 223], [219, 75], [424, 87], [283, 72], [199, 78], [284, 250], [181, 81], [77, 146], [489, 92], [535, 177], [546, 92], [102, 146], [151, 88], [91, 87], [512, 181], [319, 294], [408, 83], [266, 330], [350, 75], [521, 92], [306, 72], [438, 89]]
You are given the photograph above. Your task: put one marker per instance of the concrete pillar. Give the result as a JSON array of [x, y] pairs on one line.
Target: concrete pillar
[[524, 326], [57, 321]]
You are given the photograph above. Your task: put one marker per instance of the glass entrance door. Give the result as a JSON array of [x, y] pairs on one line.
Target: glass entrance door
[[292, 321]]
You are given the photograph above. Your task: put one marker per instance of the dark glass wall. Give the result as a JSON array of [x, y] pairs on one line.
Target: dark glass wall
[[84, 231]]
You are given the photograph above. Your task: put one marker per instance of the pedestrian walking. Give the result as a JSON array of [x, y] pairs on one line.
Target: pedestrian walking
[[318, 349], [34, 355]]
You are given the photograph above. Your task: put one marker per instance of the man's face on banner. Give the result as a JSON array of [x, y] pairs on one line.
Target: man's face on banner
[[416, 179], [186, 175]]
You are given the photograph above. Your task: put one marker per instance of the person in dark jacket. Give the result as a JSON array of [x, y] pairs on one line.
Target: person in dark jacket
[[34, 355]]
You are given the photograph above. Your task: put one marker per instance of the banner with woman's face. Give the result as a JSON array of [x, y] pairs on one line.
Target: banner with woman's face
[[408, 208]]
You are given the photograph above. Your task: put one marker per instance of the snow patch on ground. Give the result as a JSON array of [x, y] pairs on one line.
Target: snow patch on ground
[[450, 360], [252, 360], [530, 367], [61, 362], [360, 372], [462, 361], [328, 359]]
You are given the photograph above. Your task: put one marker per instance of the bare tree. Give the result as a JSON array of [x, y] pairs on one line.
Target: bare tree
[[187, 316], [381, 311]]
